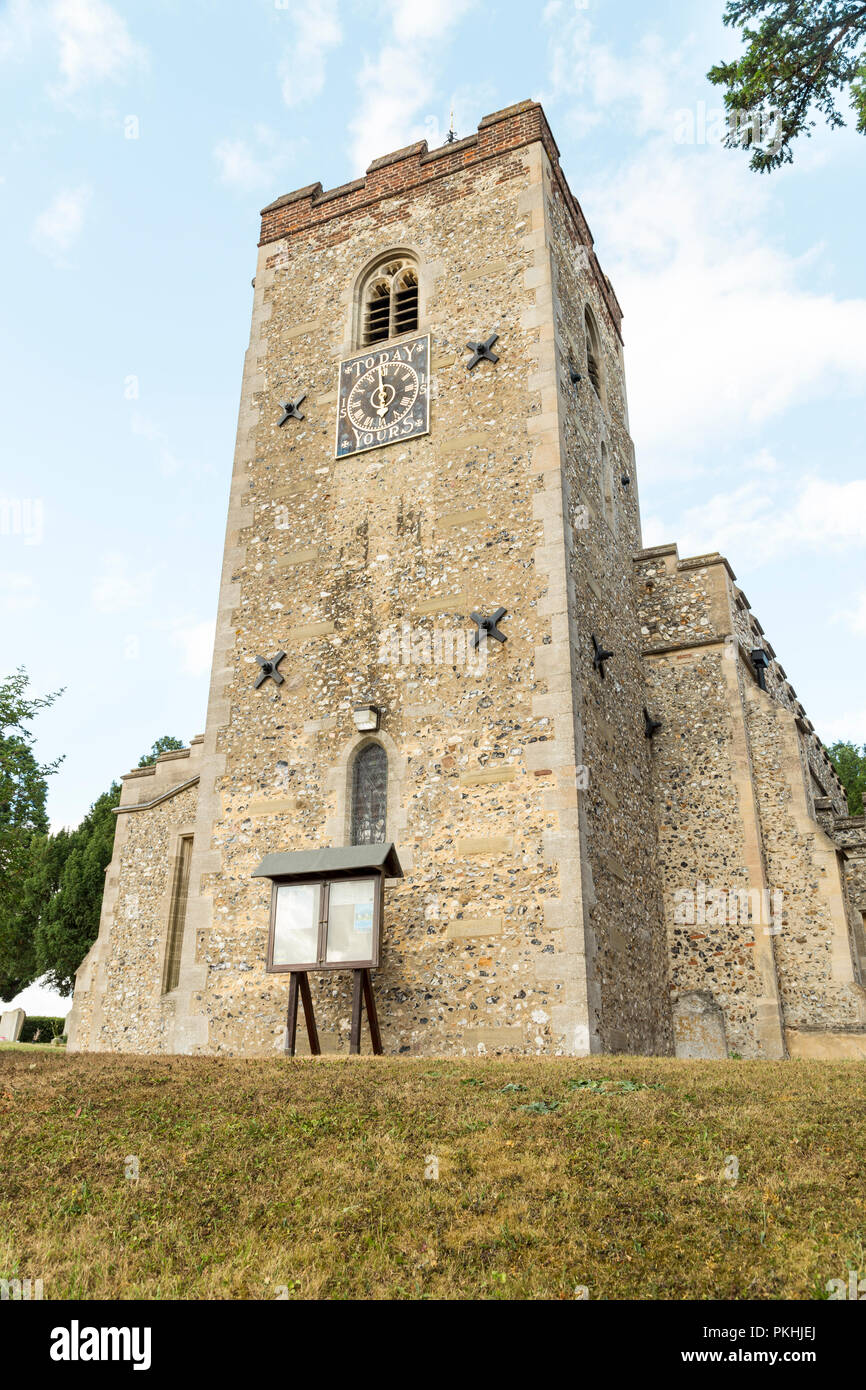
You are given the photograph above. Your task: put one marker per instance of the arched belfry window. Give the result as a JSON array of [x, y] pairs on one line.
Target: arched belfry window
[[389, 300], [593, 354], [369, 795]]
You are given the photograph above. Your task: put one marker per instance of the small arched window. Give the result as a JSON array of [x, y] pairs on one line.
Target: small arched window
[[370, 795], [593, 354], [389, 300]]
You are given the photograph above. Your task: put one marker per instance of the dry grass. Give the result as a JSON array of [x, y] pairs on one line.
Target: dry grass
[[309, 1176]]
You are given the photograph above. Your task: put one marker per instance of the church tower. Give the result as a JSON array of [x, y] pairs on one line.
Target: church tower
[[605, 817], [433, 431]]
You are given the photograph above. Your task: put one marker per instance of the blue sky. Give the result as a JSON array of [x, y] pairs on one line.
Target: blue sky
[[139, 141]]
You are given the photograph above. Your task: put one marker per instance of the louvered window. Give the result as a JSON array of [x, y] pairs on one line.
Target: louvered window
[[378, 323], [406, 303], [593, 355], [390, 301]]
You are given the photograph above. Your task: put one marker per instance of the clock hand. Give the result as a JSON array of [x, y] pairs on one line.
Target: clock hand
[[381, 409]]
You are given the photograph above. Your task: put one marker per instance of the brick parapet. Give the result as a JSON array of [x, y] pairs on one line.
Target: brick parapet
[[415, 167]]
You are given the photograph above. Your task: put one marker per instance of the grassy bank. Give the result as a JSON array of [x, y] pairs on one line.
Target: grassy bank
[[309, 1176]]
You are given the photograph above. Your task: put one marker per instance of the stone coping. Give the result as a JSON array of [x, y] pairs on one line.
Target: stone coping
[[164, 796]]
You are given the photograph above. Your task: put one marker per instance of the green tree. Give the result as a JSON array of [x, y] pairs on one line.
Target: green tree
[[23, 821], [68, 920], [52, 918], [166, 744], [850, 763], [799, 56]]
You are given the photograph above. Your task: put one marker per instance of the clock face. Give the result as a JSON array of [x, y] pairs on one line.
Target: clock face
[[383, 396]]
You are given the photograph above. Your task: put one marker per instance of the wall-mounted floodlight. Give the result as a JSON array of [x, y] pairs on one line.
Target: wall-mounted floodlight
[[366, 718]]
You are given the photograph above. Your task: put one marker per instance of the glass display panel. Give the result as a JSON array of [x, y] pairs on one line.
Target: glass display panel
[[350, 919], [296, 923]]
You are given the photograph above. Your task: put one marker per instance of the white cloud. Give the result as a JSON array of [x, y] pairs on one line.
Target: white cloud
[[195, 641], [762, 462], [18, 591], [600, 82], [169, 462], [392, 90], [315, 29], [246, 165], [855, 618], [90, 40], [95, 44], [415, 23], [17, 28], [57, 229], [757, 520], [725, 327], [850, 725], [116, 590]]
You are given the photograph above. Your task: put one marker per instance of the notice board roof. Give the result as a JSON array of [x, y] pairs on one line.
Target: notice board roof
[[313, 863]]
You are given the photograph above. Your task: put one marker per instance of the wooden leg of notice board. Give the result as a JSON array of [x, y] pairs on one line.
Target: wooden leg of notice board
[[372, 1016], [299, 982], [355, 1035], [309, 1016], [292, 1015], [362, 990]]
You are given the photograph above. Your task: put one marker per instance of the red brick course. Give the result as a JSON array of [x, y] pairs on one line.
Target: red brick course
[[417, 168]]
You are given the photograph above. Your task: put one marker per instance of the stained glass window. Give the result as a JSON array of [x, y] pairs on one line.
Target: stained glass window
[[369, 795]]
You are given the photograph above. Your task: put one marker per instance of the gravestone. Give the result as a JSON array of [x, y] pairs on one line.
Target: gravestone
[[11, 1024]]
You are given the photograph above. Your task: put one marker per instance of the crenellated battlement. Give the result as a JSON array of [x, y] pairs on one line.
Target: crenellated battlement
[[416, 168]]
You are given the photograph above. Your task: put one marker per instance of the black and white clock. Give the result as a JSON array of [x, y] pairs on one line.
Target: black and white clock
[[383, 396]]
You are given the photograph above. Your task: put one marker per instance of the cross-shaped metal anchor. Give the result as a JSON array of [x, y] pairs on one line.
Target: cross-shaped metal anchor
[[290, 409], [481, 351], [600, 656], [269, 668], [488, 627], [650, 725]]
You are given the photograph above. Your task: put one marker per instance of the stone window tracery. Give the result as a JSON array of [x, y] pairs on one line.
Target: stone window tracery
[[389, 300], [370, 795]]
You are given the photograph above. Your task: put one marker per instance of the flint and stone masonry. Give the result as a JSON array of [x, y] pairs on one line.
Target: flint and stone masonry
[[571, 884]]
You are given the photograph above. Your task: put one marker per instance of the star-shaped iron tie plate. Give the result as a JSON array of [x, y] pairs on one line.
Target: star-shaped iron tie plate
[[488, 627], [290, 409], [600, 656], [651, 726], [481, 352], [269, 669]]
